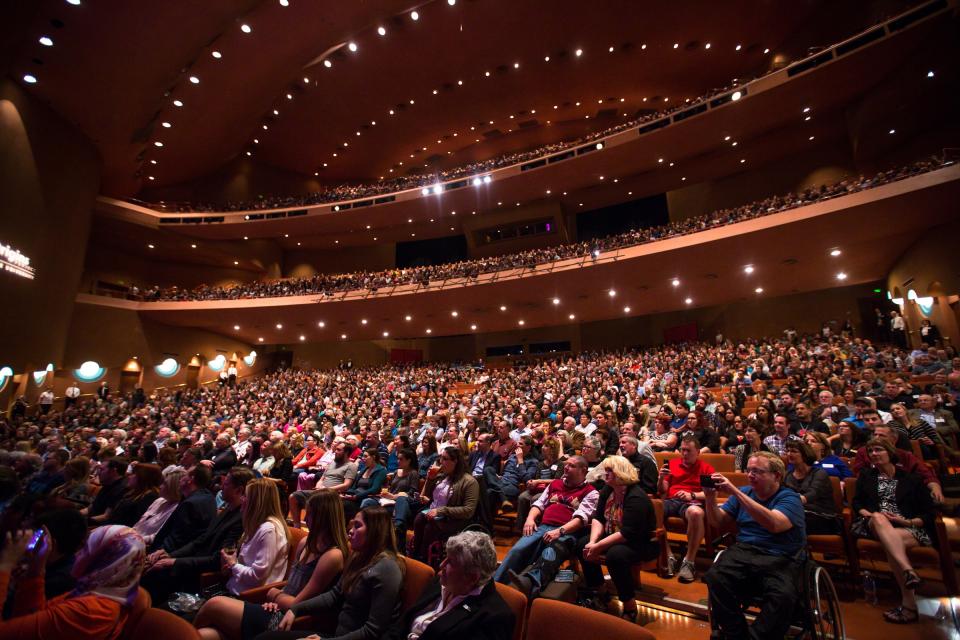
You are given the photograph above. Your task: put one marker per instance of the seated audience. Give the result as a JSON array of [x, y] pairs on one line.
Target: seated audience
[[622, 534], [112, 476], [143, 487], [366, 484], [834, 465], [366, 599], [402, 496], [815, 489], [905, 460], [320, 558], [450, 498], [549, 468], [75, 491], [462, 601], [338, 476], [180, 569], [564, 508], [503, 488], [194, 512], [683, 498], [107, 572], [765, 561], [163, 507], [646, 464], [68, 531], [752, 442], [892, 506], [263, 546], [848, 440]]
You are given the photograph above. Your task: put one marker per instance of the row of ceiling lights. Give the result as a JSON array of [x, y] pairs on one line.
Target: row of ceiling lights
[[556, 301]]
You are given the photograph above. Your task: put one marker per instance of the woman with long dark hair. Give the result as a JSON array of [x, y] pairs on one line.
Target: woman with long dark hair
[[451, 496], [367, 595]]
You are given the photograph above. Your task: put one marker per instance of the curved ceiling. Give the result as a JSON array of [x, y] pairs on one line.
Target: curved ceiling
[[116, 68]]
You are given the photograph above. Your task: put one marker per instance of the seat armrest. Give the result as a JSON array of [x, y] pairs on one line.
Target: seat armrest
[[258, 595]]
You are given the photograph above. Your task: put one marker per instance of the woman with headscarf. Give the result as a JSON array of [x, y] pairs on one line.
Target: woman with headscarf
[[107, 570]]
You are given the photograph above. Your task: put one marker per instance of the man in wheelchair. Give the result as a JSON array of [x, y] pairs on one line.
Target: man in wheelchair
[[766, 560]]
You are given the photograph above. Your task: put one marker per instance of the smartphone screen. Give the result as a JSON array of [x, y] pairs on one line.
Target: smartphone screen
[[707, 482], [35, 540]]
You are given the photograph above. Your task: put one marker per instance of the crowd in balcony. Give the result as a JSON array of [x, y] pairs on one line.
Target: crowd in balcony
[[417, 180], [329, 284], [177, 483]]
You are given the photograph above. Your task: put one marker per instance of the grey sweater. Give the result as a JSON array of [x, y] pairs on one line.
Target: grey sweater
[[370, 607]]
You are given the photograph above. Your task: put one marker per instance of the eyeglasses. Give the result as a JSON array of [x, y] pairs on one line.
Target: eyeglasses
[[755, 471]]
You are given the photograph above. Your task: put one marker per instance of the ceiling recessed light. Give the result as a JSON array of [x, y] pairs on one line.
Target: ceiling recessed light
[[352, 46], [835, 252], [382, 31], [245, 28], [742, 160], [748, 269], [236, 262], [259, 339], [151, 178], [572, 316], [414, 16], [736, 95], [386, 334], [216, 54], [930, 74], [279, 326], [503, 307], [675, 282], [811, 138], [892, 131], [841, 276], [166, 125], [321, 324], [766, 51], [429, 330], [178, 103], [193, 246], [473, 327], [408, 318], [626, 309], [689, 300], [706, 46], [236, 327], [758, 290], [284, 3], [363, 321], [302, 338], [46, 41], [194, 80], [454, 314], [578, 52], [612, 293], [150, 246], [676, 45], [521, 322], [327, 64], [343, 336], [556, 301]]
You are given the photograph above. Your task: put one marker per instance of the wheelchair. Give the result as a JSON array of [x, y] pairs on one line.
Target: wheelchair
[[820, 619]]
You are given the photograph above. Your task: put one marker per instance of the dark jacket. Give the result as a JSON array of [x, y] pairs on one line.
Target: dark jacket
[[129, 510], [491, 459], [223, 460], [639, 520], [647, 470], [485, 616], [912, 496], [107, 498], [367, 609], [193, 514], [203, 553], [816, 488]]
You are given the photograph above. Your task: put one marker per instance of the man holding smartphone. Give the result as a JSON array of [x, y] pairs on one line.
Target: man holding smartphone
[[683, 498], [766, 559]]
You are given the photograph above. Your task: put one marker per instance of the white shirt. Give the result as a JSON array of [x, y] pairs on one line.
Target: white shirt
[[153, 518], [232, 371], [262, 559], [421, 622], [73, 392], [46, 397]]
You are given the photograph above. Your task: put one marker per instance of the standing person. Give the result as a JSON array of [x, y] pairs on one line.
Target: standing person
[[45, 401], [232, 374], [367, 595], [680, 485], [898, 330], [71, 395], [622, 533], [765, 559]]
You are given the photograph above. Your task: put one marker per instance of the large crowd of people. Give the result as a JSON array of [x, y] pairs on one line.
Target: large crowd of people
[[417, 180], [204, 490], [321, 284]]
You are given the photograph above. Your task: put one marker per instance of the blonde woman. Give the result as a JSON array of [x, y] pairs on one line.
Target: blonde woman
[[320, 559], [621, 533], [163, 507], [263, 544]]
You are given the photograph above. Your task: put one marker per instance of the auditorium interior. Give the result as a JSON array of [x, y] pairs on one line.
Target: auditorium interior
[[372, 219]]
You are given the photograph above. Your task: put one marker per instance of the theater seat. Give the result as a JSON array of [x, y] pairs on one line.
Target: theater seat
[[837, 545], [518, 604], [158, 624], [721, 462], [140, 606], [556, 620], [415, 578]]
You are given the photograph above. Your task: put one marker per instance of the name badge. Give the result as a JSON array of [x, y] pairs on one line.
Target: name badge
[[827, 466]]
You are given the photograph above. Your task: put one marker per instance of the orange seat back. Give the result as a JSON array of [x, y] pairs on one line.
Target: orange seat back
[[557, 620], [518, 604], [417, 575], [158, 624]]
